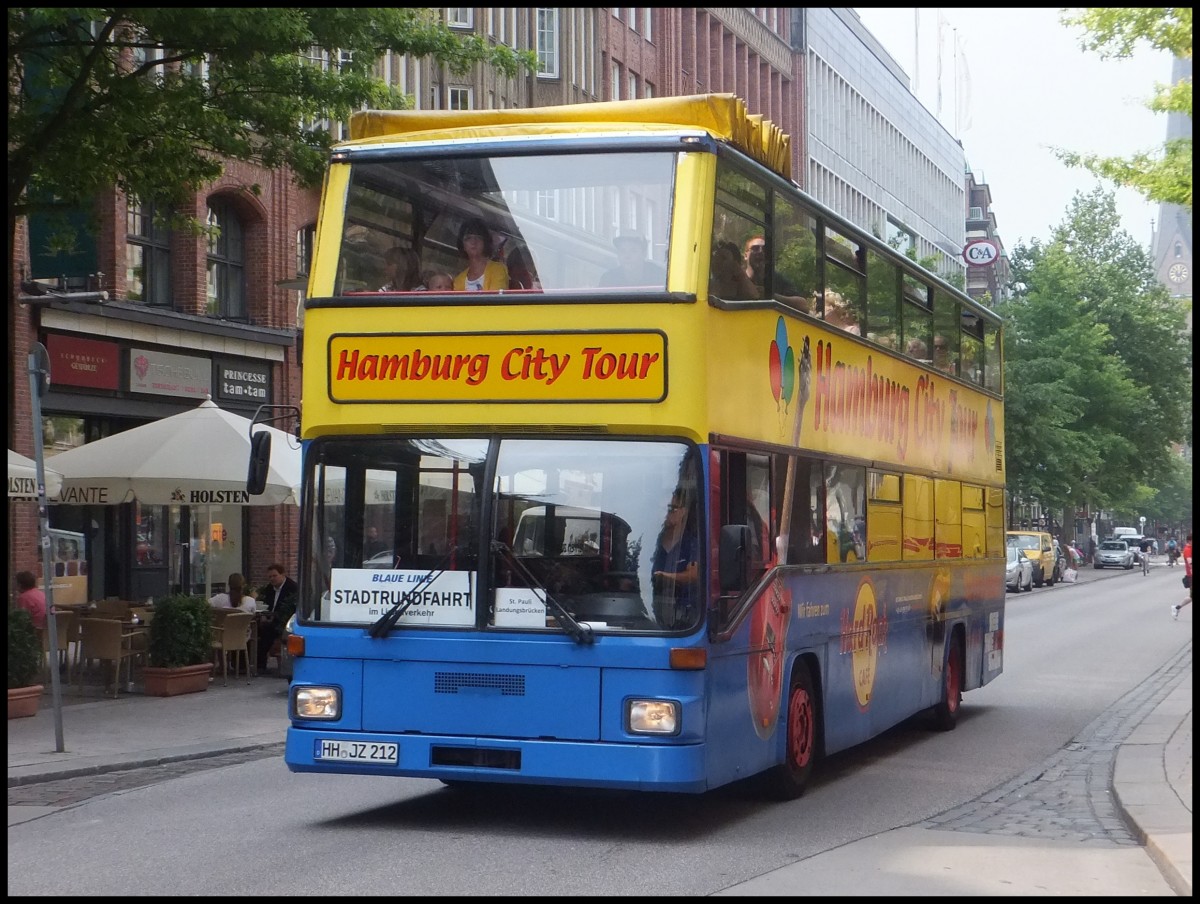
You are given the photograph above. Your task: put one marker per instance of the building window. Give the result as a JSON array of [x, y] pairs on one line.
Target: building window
[[460, 99], [196, 68], [147, 256], [614, 82], [547, 43], [305, 240], [460, 16], [647, 23], [226, 263]]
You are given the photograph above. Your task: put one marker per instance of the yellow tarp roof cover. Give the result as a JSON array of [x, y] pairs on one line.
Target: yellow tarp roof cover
[[723, 116]]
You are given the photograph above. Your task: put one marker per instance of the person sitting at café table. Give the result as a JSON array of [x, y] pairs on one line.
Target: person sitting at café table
[[280, 597], [237, 591], [31, 598]]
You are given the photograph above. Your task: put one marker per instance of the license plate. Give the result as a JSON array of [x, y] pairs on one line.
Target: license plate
[[357, 751]]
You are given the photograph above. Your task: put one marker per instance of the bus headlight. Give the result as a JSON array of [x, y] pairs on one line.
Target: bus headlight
[[316, 703], [659, 717]]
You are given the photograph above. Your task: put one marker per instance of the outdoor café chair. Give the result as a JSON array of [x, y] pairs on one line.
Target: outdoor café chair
[[104, 639], [231, 637]]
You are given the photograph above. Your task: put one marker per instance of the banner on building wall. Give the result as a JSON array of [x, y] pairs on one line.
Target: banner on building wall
[[84, 362], [161, 373]]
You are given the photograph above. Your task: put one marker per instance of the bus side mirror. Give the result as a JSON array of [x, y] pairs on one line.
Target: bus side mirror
[[260, 462], [733, 559]]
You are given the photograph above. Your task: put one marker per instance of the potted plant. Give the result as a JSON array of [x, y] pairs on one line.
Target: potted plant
[[24, 664], [180, 646]]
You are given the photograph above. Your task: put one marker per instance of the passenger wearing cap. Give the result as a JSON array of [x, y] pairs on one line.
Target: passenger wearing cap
[[633, 268], [482, 274]]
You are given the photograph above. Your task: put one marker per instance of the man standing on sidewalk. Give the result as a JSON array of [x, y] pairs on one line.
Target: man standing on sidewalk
[[1187, 576]]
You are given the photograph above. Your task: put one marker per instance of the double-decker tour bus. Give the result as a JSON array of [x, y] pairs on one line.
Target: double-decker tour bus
[[685, 480]]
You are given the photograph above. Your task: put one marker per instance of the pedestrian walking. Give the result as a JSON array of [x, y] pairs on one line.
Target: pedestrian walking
[[1187, 576]]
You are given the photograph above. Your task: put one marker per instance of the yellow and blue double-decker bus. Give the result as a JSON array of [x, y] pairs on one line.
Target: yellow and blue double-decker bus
[[641, 470]]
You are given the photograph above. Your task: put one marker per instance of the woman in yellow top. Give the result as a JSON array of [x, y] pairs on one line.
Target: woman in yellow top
[[482, 274]]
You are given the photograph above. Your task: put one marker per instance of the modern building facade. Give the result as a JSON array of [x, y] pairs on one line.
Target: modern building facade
[[183, 317], [1171, 245]]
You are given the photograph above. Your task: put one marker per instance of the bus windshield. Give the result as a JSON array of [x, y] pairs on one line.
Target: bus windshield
[[608, 531], [547, 221]]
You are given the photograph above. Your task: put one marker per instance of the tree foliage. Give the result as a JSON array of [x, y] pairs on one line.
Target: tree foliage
[[1097, 365], [103, 97], [1164, 174]]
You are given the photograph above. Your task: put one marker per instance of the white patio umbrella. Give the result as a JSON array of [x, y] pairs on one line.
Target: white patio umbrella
[[22, 478], [197, 457]]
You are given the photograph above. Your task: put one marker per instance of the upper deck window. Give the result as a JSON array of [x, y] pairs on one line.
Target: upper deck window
[[554, 222]]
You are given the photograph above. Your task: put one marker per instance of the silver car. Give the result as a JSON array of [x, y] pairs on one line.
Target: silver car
[[1114, 554], [1019, 574]]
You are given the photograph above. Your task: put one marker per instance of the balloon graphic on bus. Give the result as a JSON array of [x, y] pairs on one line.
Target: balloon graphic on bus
[[782, 366]]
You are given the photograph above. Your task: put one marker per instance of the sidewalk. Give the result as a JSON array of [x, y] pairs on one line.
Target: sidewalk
[[1152, 778]]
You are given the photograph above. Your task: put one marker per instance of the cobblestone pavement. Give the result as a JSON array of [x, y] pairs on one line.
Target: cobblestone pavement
[[1068, 797], [68, 792]]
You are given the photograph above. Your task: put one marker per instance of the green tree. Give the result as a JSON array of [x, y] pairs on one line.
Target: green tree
[[1172, 501], [153, 100], [1164, 174], [1097, 368]]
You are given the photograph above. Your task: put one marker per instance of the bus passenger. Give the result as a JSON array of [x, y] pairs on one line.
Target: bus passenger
[[728, 279], [675, 568], [941, 355], [839, 313], [755, 253], [482, 274], [439, 281], [521, 274], [633, 268], [918, 349], [402, 270]]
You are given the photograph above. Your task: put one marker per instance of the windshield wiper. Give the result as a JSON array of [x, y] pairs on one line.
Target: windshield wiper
[[580, 632], [388, 620]]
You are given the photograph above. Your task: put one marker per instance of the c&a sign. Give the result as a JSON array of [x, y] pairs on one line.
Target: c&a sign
[[981, 253]]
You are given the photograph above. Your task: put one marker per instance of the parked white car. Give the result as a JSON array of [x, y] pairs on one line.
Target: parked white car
[[1019, 574], [1114, 554]]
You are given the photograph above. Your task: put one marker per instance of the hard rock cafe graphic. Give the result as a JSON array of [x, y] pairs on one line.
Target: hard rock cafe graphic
[[863, 636]]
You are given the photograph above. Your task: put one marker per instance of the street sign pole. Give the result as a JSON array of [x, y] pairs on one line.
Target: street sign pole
[[39, 382]]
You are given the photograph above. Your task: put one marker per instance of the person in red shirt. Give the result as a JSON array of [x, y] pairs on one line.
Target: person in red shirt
[[1187, 576], [31, 599]]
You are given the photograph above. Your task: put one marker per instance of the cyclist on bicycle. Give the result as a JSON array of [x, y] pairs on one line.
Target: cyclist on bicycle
[[1145, 546], [1172, 551]]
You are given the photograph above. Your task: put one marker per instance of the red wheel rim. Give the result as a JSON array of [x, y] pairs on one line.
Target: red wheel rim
[[800, 728], [953, 681]]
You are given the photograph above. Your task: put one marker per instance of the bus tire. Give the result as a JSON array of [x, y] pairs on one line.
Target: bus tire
[[787, 780], [945, 713]]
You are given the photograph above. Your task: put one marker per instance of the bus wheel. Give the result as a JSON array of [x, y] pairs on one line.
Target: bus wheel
[[788, 780], [945, 713]]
